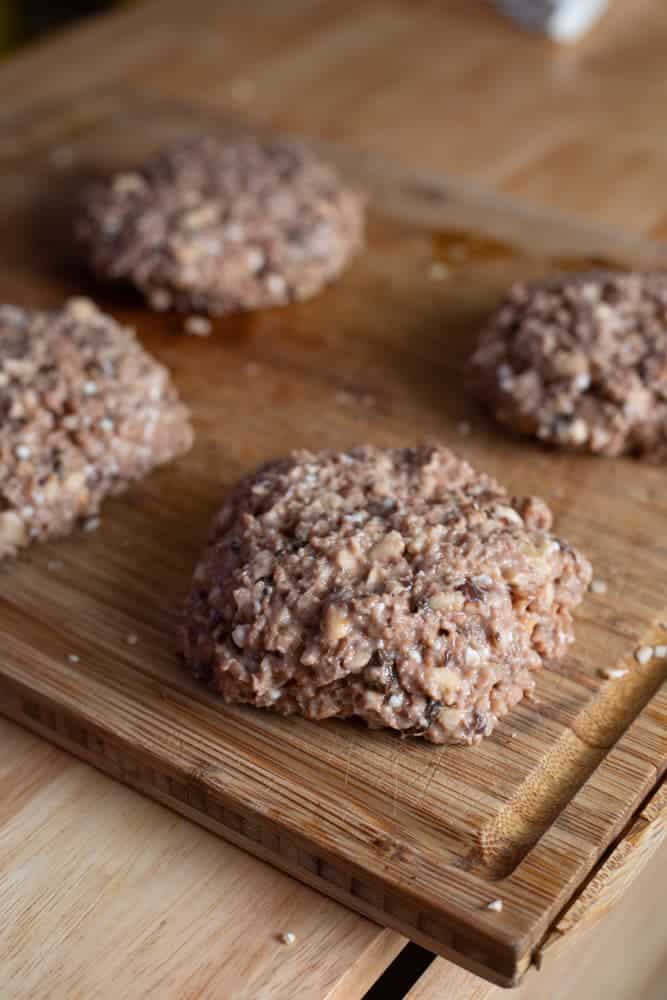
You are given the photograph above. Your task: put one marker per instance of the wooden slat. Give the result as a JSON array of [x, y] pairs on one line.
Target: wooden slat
[[104, 893]]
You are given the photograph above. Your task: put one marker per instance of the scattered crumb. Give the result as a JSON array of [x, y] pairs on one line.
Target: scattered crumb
[[287, 937], [132, 639], [613, 673], [644, 654], [22, 452], [242, 91], [463, 427], [344, 398], [73, 658], [496, 905], [660, 652], [82, 308], [598, 587], [198, 326], [91, 524], [252, 369], [54, 564], [61, 157], [276, 284], [513, 735], [160, 300], [438, 271], [457, 251]]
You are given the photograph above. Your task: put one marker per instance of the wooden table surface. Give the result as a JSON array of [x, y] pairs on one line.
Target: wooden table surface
[[447, 88]]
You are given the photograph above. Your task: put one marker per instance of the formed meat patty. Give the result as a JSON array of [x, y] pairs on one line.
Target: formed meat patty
[[83, 411], [396, 585], [580, 361], [219, 227]]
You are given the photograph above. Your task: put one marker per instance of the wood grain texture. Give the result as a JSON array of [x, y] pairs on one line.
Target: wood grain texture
[[619, 957], [582, 133], [611, 882], [451, 88], [436, 834], [175, 913]]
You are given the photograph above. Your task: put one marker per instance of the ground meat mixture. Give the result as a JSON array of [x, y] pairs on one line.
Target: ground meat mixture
[[580, 361], [215, 227], [399, 586], [83, 411]]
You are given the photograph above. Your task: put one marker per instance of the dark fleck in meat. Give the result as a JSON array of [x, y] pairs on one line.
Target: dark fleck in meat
[[472, 591], [339, 632], [580, 362], [84, 411], [213, 227]]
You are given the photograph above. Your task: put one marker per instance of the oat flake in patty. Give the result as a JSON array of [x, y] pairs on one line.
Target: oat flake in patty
[[580, 361], [211, 226], [83, 411], [396, 585]]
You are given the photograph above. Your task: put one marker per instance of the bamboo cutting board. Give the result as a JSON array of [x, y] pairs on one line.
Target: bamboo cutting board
[[419, 838]]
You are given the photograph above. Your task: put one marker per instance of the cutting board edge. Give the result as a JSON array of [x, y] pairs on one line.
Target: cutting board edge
[[610, 879], [94, 744]]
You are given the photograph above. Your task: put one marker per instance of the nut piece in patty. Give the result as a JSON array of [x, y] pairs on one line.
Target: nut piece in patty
[[580, 361], [84, 410], [209, 226], [395, 585]]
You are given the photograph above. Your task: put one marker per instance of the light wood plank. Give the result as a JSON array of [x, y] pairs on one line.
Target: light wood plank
[[104, 893]]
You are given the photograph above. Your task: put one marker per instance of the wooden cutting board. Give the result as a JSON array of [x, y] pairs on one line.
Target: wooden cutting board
[[420, 838]]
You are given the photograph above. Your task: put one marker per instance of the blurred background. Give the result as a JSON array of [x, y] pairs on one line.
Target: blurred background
[[23, 20]]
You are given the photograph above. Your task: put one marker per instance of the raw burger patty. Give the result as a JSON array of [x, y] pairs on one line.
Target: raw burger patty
[[216, 227], [399, 586], [83, 411], [580, 361]]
